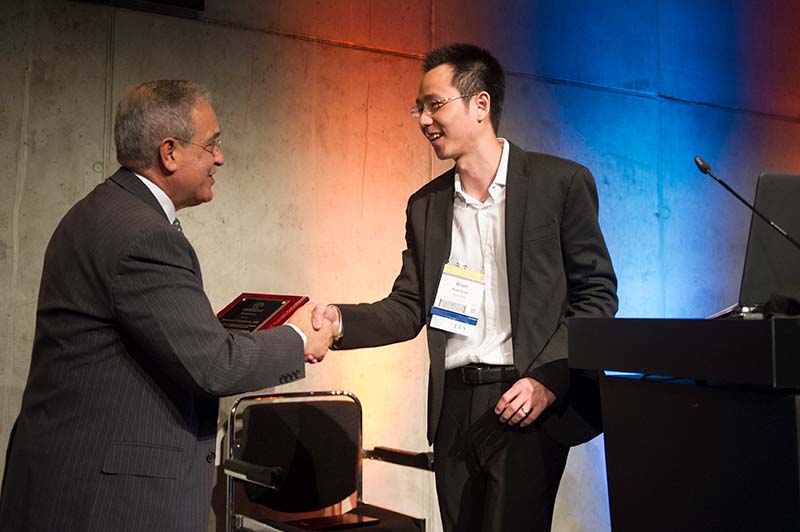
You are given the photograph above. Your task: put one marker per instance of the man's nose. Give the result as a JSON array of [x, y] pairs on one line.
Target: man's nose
[[425, 119]]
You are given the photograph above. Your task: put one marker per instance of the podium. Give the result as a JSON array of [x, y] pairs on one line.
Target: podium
[[702, 433]]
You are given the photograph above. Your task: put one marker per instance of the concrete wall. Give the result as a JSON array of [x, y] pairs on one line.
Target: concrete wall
[[322, 155]]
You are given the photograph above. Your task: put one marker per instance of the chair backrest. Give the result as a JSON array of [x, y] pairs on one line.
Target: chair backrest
[[315, 439]]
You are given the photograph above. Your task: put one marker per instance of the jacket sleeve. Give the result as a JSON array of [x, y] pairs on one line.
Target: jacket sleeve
[[591, 281], [165, 316]]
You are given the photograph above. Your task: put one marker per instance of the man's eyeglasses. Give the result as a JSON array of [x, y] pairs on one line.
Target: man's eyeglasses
[[212, 147], [434, 105]]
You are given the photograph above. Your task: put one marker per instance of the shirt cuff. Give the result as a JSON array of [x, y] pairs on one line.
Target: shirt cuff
[[339, 336], [298, 331], [340, 332]]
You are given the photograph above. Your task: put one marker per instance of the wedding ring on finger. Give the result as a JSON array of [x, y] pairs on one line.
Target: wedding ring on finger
[[524, 411]]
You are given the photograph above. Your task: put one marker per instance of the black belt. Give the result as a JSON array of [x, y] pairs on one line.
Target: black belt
[[486, 373]]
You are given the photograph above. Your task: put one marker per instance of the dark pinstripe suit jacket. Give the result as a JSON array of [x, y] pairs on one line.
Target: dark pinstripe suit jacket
[[558, 267], [118, 418]]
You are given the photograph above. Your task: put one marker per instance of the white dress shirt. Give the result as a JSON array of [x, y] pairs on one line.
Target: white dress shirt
[[479, 243]]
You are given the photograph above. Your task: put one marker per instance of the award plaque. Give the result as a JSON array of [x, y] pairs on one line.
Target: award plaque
[[254, 312]]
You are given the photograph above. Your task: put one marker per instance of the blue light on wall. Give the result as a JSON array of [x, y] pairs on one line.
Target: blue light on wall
[[634, 91]]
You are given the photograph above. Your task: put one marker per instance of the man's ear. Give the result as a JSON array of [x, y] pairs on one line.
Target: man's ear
[[483, 102], [166, 155]]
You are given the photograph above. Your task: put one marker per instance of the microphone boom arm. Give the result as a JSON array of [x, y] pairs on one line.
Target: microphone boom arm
[[706, 169]]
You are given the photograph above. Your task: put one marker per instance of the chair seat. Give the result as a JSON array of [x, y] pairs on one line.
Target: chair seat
[[388, 521]]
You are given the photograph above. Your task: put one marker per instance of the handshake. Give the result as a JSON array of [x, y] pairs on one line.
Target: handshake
[[321, 324]]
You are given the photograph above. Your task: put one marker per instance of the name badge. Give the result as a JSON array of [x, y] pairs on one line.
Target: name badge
[[457, 301]]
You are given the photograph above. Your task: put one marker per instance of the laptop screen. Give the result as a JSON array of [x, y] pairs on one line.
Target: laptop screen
[[772, 263]]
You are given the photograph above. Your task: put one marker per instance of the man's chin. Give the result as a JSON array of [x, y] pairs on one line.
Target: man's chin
[[440, 154], [199, 200]]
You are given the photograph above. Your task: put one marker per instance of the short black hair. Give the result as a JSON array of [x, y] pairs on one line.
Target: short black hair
[[474, 70]]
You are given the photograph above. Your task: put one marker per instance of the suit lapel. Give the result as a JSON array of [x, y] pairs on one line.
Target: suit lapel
[[128, 180], [437, 240], [516, 204], [438, 231]]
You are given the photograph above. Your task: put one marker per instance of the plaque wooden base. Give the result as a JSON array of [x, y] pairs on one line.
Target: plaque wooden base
[[255, 312]]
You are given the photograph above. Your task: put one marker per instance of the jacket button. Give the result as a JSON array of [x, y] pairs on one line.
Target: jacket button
[[210, 458]]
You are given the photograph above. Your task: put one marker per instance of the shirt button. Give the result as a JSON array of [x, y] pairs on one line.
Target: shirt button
[[210, 458]]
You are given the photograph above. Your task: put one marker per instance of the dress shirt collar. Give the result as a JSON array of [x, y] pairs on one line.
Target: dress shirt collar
[[497, 185], [161, 196]]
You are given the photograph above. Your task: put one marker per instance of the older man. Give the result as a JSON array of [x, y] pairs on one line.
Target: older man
[[118, 419]]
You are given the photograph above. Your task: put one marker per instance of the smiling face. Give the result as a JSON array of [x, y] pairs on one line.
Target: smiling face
[[452, 128], [197, 160]]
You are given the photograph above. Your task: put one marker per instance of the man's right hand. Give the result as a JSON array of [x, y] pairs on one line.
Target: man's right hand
[[318, 338], [327, 313]]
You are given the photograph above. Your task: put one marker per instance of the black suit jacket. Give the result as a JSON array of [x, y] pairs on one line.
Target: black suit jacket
[[118, 421], [558, 267]]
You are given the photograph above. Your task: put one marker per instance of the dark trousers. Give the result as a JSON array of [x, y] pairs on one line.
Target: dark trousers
[[489, 476]]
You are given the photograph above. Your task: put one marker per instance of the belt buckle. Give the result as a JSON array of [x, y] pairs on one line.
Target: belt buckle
[[487, 374]]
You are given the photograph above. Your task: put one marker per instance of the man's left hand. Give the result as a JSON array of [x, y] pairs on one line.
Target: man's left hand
[[524, 402]]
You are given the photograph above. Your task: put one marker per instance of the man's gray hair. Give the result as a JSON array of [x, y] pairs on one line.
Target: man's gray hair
[[148, 114]]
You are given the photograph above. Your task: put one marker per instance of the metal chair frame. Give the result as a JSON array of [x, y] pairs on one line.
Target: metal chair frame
[[422, 460]]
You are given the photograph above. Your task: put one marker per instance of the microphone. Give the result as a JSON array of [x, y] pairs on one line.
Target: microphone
[[702, 165], [706, 169]]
